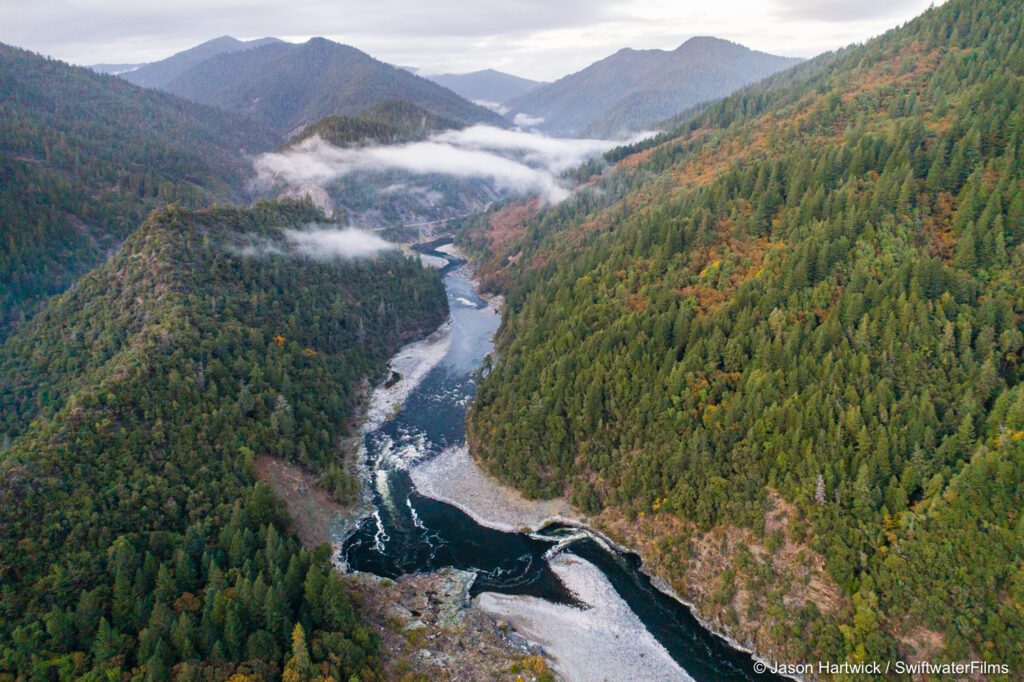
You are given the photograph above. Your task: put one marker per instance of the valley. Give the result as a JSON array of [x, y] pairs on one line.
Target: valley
[[693, 364]]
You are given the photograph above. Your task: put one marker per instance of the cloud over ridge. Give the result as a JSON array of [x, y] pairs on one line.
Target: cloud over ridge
[[329, 243]]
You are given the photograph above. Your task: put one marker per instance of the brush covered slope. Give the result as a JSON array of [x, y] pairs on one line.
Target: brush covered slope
[[133, 537], [779, 349], [632, 90], [84, 157], [290, 86]]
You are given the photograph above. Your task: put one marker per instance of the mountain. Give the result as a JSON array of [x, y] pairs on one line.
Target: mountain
[[289, 86], [493, 87], [134, 538], [160, 74], [84, 157], [778, 349], [632, 90]]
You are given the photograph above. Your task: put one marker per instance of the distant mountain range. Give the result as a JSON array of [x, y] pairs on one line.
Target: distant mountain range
[[487, 86], [633, 89], [287, 86], [160, 74]]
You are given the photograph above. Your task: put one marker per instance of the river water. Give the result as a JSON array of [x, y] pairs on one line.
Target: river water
[[410, 533]]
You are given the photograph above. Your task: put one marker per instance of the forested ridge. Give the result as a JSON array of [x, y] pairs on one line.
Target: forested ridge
[[389, 122], [84, 157], [808, 294], [134, 540]]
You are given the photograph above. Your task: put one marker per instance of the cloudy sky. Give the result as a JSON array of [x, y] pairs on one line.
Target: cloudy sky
[[542, 39]]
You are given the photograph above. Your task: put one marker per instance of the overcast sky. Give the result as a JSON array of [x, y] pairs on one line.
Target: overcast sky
[[543, 39]]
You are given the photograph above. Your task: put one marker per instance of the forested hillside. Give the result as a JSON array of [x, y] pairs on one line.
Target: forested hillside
[[788, 335], [290, 86], [389, 122], [133, 538], [84, 157], [632, 90]]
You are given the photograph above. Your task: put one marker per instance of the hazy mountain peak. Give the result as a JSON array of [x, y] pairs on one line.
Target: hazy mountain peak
[[160, 73], [222, 40], [697, 41], [632, 89], [289, 86], [486, 85]]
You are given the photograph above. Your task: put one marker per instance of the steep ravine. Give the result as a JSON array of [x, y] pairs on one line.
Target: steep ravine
[[567, 589]]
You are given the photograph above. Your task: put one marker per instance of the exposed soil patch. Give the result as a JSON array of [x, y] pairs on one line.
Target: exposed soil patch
[[313, 511]]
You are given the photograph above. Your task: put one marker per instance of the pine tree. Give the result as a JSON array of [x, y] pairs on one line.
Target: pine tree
[[299, 667]]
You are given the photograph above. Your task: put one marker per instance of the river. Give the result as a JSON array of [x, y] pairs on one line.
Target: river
[[578, 591]]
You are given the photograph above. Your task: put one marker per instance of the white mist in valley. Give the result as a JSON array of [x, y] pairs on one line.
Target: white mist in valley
[[514, 161], [316, 241], [527, 120], [328, 243]]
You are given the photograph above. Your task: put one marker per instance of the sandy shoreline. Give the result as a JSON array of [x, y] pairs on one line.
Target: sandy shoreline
[[452, 250], [455, 478], [606, 641], [412, 363]]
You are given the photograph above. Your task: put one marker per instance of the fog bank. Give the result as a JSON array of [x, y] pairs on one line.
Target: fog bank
[[515, 161]]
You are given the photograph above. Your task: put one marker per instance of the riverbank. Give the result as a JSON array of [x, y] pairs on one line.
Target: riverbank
[[604, 641], [575, 643], [318, 518], [455, 478], [407, 367]]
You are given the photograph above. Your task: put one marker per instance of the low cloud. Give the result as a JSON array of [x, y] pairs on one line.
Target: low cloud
[[496, 107], [332, 243], [514, 161], [554, 154], [524, 120], [844, 10], [317, 241]]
